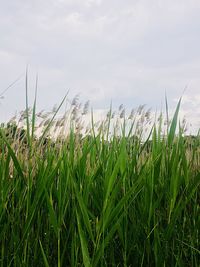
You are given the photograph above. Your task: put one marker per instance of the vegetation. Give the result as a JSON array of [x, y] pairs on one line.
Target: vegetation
[[100, 199]]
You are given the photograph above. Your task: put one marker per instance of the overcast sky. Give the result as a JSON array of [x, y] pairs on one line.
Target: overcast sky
[[129, 51]]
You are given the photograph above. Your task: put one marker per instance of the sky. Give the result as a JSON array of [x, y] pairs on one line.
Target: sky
[[129, 52]]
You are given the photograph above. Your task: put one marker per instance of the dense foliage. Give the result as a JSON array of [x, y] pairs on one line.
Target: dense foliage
[[90, 201]]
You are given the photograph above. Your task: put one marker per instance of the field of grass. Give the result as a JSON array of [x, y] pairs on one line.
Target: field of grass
[[100, 200]]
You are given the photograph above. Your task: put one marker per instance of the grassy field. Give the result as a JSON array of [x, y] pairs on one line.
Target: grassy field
[[100, 199]]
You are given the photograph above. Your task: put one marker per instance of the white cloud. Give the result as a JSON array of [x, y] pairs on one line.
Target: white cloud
[[128, 51]]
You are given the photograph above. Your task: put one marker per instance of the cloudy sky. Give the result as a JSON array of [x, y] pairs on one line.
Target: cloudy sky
[[129, 52]]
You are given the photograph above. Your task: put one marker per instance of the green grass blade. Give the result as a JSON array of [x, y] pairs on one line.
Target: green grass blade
[[84, 247], [46, 264], [173, 125], [13, 156], [27, 110], [34, 110], [50, 123]]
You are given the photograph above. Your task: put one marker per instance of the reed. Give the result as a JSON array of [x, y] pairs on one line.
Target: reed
[[107, 197]]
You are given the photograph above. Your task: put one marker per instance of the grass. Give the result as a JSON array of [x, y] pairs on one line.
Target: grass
[[100, 199]]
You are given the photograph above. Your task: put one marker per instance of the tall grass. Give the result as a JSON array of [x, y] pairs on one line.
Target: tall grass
[[100, 199]]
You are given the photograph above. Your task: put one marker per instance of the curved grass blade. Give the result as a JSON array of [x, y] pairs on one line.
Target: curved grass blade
[[49, 124], [173, 125], [84, 247], [46, 264], [12, 154], [34, 109]]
